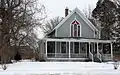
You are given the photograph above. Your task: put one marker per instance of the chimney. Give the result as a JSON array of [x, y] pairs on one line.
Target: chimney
[[66, 11]]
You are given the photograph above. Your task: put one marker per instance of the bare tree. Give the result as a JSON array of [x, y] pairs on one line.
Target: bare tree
[[18, 19], [50, 25], [88, 11]]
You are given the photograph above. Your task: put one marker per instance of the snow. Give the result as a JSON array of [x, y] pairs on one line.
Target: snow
[[116, 2], [60, 68]]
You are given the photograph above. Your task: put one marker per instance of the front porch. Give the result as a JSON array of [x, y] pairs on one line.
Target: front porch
[[78, 49]]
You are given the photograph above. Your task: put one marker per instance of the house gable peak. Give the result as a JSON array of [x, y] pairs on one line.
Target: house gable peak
[[76, 10]]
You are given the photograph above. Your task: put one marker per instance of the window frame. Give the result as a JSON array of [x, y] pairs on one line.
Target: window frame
[[72, 29]]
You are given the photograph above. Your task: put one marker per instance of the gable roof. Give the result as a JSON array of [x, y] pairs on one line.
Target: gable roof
[[76, 10]]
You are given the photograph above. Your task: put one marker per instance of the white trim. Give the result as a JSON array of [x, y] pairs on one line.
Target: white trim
[[81, 15], [70, 30], [94, 47], [111, 51], [80, 30], [99, 34], [56, 33], [97, 49], [94, 34], [66, 58], [80, 40], [55, 48], [69, 51], [46, 47], [89, 47], [86, 49], [77, 31], [73, 28]]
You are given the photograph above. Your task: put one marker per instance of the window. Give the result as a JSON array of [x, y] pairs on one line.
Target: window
[[76, 47], [63, 47], [75, 29], [51, 47]]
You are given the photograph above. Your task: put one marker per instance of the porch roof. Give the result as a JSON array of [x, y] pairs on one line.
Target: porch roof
[[78, 40]]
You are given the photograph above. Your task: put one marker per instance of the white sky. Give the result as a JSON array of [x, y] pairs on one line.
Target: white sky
[[56, 7]]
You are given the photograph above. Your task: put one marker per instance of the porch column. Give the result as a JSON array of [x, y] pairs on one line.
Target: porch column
[[69, 51], [86, 49], [97, 49], [89, 48], [55, 49], [90, 52], [46, 48], [111, 50]]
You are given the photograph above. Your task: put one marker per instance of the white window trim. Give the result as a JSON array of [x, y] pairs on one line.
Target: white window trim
[[73, 28]]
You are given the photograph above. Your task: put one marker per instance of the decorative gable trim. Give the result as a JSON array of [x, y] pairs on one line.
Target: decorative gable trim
[[75, 21], [76, 10], [64, 20], [85, 19]]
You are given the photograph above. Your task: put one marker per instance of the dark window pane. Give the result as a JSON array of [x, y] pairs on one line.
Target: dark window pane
[[75, 30], [63, 47], [79, 31], [76, 45], [71, 30], [51, 47]]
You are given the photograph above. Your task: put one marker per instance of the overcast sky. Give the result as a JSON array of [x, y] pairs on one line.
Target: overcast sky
[[56, 7]]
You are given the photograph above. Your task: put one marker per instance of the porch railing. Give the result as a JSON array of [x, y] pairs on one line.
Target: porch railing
[[99, 56], [57, 55], [80, 55], [107, 57], [91, 56], [66, 55]]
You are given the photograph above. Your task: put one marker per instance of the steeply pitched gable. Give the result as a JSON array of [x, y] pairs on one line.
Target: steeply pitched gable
[[76, 10]]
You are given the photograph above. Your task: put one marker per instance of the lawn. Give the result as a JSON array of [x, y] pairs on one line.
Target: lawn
[[28, 67]]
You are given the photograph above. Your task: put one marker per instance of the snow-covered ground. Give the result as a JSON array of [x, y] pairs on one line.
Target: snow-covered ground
[[60, 68]]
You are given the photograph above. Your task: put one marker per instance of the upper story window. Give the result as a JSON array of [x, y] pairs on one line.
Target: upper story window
[[75, 29]]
